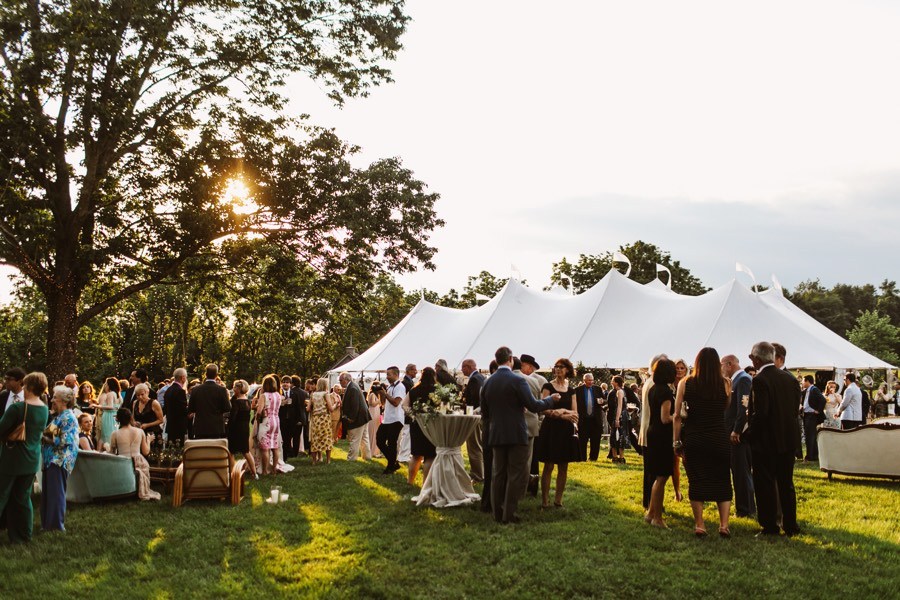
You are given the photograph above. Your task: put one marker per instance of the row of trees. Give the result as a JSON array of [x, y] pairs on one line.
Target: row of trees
[[273, 313]]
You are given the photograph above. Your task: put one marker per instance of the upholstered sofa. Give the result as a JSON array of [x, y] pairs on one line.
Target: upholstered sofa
[[101, 476], [871, 450]]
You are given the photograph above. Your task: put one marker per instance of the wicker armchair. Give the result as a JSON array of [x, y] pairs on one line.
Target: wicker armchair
[[208, 470]]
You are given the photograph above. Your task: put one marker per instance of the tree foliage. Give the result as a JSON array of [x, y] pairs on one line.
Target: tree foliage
[[121, 125], [591, 268], [478, 289], [876, 334]]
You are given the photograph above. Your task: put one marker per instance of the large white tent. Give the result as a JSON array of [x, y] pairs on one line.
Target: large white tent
[[617, 323]]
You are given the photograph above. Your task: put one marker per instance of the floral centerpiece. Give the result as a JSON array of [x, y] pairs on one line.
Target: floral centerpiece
[[444, 400]]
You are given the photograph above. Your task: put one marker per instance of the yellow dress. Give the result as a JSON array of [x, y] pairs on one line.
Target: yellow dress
[[321, 433]]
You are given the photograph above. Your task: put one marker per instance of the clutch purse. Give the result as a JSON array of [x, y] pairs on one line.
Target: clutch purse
[[18, 434]]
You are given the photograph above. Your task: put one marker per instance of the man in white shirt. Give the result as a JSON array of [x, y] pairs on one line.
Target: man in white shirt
[[850, 410], [392, 421], [12, 391]]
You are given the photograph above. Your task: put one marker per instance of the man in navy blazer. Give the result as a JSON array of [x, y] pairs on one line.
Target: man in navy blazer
[[735, 420], [590, 417], [504, 398]]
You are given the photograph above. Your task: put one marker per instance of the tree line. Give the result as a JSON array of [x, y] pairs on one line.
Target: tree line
[[278, 314]]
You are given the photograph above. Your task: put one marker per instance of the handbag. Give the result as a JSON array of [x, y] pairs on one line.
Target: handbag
[[18, 434]]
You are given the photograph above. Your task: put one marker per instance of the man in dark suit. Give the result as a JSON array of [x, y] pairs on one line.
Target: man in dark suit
[[472, 398], [590, 427], [504, 398], [409, 377], [773, 433], [287, 417], [175, 407], [300, 396], [735, 420], [138, 376], [209, 404], [356, 417], [12, 388], [813, 415]]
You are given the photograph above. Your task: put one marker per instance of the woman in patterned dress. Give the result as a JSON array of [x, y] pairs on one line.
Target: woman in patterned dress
[[269, 401], [832, 402], [321, 435]]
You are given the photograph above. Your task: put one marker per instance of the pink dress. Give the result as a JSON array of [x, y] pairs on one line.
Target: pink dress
[[270, 429]]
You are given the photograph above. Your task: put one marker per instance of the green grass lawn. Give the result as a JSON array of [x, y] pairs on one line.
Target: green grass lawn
[[349, 531]]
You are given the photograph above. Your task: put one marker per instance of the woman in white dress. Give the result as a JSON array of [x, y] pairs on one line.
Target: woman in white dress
[[132, 442], [832, 401]]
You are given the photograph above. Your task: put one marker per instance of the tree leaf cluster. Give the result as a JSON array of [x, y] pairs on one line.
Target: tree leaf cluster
[[591, 268]]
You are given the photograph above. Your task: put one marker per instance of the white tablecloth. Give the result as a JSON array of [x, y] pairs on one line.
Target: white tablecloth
[[448, 483]]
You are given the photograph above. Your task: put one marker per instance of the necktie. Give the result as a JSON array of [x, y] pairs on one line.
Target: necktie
[[590, 401]]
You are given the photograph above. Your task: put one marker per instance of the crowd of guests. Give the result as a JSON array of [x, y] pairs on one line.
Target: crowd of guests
[[733, 428]]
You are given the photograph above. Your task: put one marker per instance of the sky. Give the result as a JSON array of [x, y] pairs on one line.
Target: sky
[[765, 133]]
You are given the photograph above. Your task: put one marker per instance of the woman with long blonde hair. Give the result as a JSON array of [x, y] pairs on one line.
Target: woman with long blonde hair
[[321, 434]]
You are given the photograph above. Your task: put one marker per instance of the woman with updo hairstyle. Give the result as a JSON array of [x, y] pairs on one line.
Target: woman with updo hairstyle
[[659, 458], [239, 425], [557, 444], [132, 442], [20, 461]]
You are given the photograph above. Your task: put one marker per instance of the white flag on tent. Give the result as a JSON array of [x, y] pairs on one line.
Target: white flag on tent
[[741, 268], [777, 284], [619, 257], [664, 269]]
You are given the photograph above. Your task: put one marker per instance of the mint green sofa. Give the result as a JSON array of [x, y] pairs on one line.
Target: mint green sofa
[[99, 476]]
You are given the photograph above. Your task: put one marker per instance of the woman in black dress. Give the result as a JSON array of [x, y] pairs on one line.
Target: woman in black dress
[[704, 440], [239, 424], [147, 411], [557, 443], [659, 455], [422, 451]]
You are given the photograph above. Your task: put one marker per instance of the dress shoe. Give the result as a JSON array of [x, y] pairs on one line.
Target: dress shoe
[[766, 534], [512, 520], [792, 532]]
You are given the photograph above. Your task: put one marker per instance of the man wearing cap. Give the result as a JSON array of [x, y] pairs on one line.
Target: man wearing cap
[[536, 382]]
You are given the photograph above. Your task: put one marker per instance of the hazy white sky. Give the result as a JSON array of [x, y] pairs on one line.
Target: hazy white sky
[[765, 132], [761, 132]]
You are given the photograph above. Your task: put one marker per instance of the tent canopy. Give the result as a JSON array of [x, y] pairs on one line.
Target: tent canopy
[[617, 323]]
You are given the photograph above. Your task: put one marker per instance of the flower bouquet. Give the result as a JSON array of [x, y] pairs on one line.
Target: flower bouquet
[[444, 400]]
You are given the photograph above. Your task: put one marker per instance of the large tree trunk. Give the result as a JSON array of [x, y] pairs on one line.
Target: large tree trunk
[[62, 333]]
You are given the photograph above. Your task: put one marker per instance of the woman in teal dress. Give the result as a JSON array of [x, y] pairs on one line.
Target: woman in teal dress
[[20, 461], [110, 401]]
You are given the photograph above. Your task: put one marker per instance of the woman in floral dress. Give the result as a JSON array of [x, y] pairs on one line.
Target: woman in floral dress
[[321, 434], [270, 427]]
